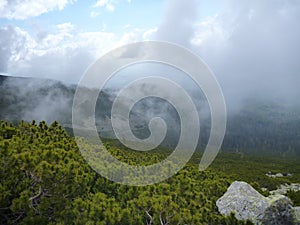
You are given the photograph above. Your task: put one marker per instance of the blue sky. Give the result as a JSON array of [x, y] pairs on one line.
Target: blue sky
[[80, 13], [86, 17]]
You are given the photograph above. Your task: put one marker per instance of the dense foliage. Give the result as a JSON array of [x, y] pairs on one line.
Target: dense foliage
[[45, 180]]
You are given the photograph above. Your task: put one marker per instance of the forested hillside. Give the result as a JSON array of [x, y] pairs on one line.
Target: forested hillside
[[257, 127], [45, 180]]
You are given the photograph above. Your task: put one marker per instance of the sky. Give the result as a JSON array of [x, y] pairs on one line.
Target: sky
[[252, 46]]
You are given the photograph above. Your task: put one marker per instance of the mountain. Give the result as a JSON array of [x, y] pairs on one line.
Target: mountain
[[34, 99], [260, 127]]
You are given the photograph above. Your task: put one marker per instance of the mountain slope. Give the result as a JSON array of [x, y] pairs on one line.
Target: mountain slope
[[258, 127]]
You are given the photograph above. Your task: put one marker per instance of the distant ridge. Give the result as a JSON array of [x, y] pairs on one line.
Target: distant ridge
[[6, 77], [258, 127]]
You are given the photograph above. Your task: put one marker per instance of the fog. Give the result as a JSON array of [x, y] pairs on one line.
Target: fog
[[35, 99], [178, 22], [252, 46]]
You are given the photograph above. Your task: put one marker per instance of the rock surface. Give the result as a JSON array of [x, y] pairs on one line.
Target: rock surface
[[243, 200], [297, 214], [279, 211], [270, 174], [248, 204], [283, 189]]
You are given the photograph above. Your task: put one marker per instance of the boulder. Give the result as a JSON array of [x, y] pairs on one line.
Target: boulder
[[248, 204], [243, 200]]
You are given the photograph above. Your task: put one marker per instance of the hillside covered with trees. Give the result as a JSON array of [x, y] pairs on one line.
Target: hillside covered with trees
[[45, 180], [257, 127]]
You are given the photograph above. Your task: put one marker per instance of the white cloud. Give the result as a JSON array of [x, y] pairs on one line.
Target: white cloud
[[101, 3], [210, 28], [108, 4], [62, 55], [65, 27], [3, 3], [126, 26], [149, 34], [110, 7], [18, 9], [253, 47], [94, 14], [178, 23]]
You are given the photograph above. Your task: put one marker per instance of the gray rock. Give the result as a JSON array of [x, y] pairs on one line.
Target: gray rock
[[248, 204], [270, 174], [243, 200], [279, 211], [284, 188], [297, 214]]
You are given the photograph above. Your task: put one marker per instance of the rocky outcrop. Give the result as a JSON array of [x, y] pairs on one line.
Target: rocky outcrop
[[284, 188], [248, 204], [270, 174]]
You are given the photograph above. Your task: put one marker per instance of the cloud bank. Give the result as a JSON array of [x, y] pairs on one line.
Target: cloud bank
[[63, 55], [252, 46]]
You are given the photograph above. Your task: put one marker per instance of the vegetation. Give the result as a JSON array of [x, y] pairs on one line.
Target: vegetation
[[45, 180], [295, 196]]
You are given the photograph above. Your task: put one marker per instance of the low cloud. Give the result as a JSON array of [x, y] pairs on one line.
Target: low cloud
[[178, 22], [252, 46], [12, 44]]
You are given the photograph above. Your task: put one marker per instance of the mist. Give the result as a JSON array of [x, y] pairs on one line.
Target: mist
[[251, 46], [178, 22], [35, 99]]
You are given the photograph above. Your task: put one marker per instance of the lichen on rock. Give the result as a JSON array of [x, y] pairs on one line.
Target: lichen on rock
[[248, 204]]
